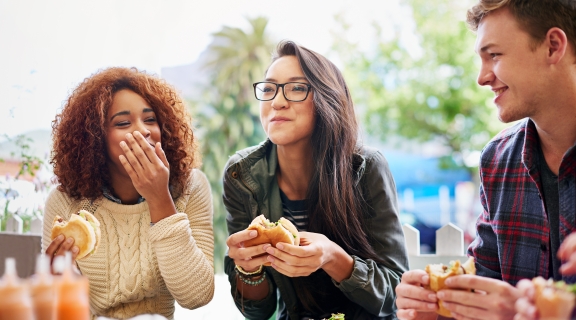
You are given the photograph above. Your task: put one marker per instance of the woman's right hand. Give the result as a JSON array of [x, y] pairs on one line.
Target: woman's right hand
[[249, 258], [59, 246]]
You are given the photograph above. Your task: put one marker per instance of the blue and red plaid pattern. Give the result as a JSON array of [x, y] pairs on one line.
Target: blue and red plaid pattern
[[513, 233]]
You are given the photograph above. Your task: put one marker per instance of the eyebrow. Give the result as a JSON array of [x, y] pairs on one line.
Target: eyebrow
[[126, 112], [289, 79], [486, 47]]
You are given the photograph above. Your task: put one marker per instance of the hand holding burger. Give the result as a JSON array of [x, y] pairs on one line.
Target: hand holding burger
[[438, 274], [82, 227], [545, 299]]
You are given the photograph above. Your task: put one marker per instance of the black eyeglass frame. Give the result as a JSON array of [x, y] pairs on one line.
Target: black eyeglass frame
[[281, 85]]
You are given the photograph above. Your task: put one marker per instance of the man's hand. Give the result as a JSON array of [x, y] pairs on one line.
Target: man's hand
[[567, 253], [525, 308], [491, 300], [412, 300]]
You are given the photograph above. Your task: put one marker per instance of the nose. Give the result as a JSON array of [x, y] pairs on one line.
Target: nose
[[486, 75], [143, 129], [279, 101]]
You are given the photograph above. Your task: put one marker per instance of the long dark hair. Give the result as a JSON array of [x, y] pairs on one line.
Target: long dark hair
[[335, 203]]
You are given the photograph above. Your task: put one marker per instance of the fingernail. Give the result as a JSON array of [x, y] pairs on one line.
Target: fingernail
[[70, 240], [122, 143], [425, 279], [270, 258], [432, 296], [266, 246], [61, 237], [75, 249], [448, 281], [431, 306], [280, 246], [270, 250], [440, 295], [253, 233]]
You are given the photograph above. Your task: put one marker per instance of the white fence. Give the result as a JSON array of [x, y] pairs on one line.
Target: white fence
[[23, 247], [15, 224], [449, 246]]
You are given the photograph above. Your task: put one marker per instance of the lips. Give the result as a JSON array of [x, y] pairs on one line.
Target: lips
[[276, 119]]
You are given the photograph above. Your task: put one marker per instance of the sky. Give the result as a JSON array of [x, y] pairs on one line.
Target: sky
[[47, 47]]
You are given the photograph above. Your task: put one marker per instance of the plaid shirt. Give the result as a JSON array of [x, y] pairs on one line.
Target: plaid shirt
[[513, 232]]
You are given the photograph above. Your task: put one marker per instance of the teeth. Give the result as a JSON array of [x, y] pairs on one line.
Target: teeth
[[499, 91]]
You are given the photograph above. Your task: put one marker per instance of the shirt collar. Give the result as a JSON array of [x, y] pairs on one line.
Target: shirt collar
[[531, 145], [108, 195]]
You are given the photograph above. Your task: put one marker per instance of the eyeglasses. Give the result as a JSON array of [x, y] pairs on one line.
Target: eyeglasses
[[293, 91]]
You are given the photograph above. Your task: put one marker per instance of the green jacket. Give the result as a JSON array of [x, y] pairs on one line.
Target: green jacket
[[251, 189]]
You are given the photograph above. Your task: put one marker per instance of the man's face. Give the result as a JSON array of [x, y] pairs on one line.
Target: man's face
[[515, 73]]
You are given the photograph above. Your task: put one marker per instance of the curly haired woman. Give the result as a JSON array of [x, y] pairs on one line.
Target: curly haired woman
[[124, 150]]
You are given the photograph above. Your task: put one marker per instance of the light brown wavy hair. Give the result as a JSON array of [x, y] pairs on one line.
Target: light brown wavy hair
[[79, 155], [534, 16]]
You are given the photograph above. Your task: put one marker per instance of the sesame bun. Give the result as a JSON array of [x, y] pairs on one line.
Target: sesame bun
[[83, 227]]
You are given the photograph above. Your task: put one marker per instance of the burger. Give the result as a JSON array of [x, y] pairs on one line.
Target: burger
[[272, 232], [83, 227], [554, 300], [438, 274]]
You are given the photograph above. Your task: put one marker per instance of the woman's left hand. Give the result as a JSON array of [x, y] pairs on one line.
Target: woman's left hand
[[147, 166], [315, 251]]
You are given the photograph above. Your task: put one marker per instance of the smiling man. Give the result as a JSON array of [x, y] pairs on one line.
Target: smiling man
[[528, 171]]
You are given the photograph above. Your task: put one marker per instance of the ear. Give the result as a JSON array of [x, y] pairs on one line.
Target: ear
[[557, 44]]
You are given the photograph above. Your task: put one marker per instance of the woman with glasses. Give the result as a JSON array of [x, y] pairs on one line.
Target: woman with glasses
[[341, 196]]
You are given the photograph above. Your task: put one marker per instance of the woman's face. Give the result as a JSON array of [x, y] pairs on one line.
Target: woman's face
[[287, 122], [128, 113]]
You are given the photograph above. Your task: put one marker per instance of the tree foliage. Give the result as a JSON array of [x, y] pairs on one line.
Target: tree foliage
[[426, 92], [228, 115]]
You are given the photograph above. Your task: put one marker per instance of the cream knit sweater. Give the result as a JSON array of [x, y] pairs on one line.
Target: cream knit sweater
[[139, 269]]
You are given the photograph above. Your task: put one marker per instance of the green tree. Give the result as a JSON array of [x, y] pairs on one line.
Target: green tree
[[227, 116], [426, 92]]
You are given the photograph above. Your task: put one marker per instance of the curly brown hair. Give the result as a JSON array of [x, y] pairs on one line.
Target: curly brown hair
[[79, 154]]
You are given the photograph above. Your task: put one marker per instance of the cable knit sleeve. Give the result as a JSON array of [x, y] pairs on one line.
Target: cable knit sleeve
[[184, 246], [56, 204]]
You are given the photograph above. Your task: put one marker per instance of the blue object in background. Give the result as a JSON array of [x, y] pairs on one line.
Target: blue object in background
[[424, 177]]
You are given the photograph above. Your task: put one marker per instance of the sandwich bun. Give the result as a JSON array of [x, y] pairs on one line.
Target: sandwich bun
[[83, 227], [270, 232], [438, 273], [554, 300]]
